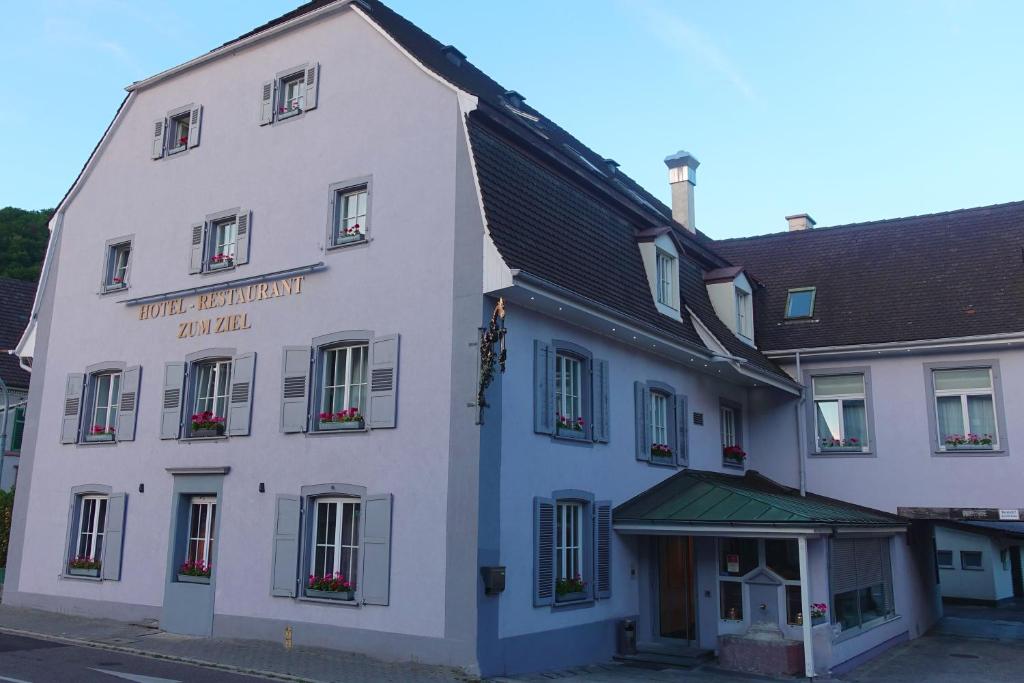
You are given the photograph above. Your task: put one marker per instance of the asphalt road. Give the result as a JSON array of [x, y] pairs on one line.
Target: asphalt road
[[30, 660]]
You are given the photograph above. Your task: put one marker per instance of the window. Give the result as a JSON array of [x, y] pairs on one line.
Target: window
[[800, 303], [782, 557], [944, 558], [336, 538], [292, 91], [730, 425], [743, 314], [18, 430], [661, 428], [660, 425], [350, 214], [343, 387], [569, 581], [965, 409], [731, 600], [201, 526], [737, 556], [970, 559], [665, 276], [177, 132], [115, 272], [223, 243], [569, 395], [88, 552], [861, 582], [210, 406], [840, 413], [105, 397]]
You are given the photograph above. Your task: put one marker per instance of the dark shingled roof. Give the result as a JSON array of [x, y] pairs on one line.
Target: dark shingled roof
[[698, 497], [16, 299], [952, 274]]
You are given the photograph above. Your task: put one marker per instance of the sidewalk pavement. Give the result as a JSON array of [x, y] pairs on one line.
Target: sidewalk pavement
[[271, 660]]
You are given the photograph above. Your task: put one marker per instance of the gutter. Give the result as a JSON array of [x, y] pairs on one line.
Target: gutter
[[1007, 338]]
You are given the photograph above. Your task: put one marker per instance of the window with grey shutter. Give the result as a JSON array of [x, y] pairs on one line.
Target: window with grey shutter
[[267, 103], [543, 551], [601, 413], [543, 388], [383, 381], [642, 420], [72, 416], [113, 537], [243, 225], [243, 372], [312, 85], [197, 237], [195, 121], [603, 549], [127, 408], [295, 365], [375, 583], [682, 449], [157, 145], [171, 400], [287, 529]]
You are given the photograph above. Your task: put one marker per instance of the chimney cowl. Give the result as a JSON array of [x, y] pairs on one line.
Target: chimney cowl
[[800, 221], [612, 165]]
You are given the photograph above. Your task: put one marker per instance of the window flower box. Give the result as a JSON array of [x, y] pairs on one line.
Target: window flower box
[[348, 419], [734, 455], [819, 613], [331, 595], [968, 442], [289, 110], [221, 262], [329, 587], [851, 444], [661, 450], [349, 235], [568, 425], [188, 578], [194, 571], [74, 571], [206, 425], [84, 566], [100, 433], [571, 589]]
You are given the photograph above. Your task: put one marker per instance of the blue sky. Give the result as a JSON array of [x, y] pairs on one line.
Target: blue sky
[[848, 111]]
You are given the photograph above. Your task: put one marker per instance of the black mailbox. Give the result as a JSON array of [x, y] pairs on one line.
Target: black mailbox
[[494, 579]]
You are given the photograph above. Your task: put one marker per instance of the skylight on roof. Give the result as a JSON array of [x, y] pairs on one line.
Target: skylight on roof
[[800, 303]]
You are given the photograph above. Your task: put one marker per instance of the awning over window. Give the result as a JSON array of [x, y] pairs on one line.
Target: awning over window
[[707, 503]]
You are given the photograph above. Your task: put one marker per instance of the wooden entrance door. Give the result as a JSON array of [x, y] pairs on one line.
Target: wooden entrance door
[[676, 605]]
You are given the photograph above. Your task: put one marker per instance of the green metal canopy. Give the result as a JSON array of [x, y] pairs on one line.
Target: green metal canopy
[[694, 497]]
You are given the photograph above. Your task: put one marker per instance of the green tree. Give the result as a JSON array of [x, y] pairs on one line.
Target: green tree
[[23, 238], [6, 512]]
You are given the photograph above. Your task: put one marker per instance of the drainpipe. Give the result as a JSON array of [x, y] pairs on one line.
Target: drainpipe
[[800, 429], [805, 607]]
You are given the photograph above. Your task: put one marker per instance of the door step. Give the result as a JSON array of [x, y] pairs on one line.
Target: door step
[[688, 658]]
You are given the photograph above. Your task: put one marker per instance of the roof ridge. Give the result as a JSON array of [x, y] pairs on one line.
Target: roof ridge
[[869, 224]]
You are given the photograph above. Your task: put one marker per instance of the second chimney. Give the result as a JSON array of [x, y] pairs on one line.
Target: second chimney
[[682, 176], [800, 221]]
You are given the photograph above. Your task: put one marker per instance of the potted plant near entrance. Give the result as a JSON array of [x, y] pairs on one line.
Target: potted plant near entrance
[[206, 425], [329, 586], [350, 418], [83, 565], [194, 571], [819, 613], [569, 589]]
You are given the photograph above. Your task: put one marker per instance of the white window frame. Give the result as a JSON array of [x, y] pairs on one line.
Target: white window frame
[[789, 298], [974, 568], [840, 399], [299, 78], [112, 399], [569, 379], [963, 394], [347, 386], [98, 516], [174, 134], [223, 239], [938, 561], [665, 269], [743, 313], [220, 369], [342, 198], [727, 419], [659, 418], [569, 550], [351, 573], [207, 532]]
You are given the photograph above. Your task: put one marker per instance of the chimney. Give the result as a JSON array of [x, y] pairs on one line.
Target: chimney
[[800, 221], [682, 177]]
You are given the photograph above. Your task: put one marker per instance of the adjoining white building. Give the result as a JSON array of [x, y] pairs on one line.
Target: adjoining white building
[[15, 305], [980, 562], [268, 347]]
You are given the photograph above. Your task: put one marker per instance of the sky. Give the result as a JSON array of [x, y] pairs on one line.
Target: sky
[[848, 111]]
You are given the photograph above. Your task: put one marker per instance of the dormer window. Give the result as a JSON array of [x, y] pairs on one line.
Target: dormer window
[[800, 303], [744, 315], [666, 278]]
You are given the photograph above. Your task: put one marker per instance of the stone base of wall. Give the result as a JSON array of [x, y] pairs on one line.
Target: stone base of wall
[[761, 656]]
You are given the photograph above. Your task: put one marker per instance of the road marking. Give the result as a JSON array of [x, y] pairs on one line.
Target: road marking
[[136, 678], [13, 680]]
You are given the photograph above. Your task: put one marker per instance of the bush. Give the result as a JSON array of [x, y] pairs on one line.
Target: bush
[[6, 512]]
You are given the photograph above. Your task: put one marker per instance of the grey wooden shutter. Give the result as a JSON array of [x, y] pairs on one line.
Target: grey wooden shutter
[[295, 366], [543, 551], [601, 414], [642, 418], [312, 85], [543, 388], [383, 381], [375, 582], [682, 451], [72, 416], [195, 121], [197, 241], [284, 578], [127, 409], [603, 549], [172, 400], [113, 537], [267, 103], [158, 138], [243, 373], [243, 224]]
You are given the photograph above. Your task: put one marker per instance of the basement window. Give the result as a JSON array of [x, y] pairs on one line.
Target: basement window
[[800, 303]]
